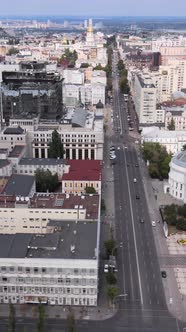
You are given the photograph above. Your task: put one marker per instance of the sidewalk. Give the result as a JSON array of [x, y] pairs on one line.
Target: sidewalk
[[80, 313], [176, 302]]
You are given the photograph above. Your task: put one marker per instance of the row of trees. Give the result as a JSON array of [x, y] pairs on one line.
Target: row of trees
[[158, 159], [123, 81], [175, 215]]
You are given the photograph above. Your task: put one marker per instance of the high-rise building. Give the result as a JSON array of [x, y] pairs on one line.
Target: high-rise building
[[33, 91]]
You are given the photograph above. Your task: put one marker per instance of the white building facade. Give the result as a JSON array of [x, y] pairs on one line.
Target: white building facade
[[177, 176]]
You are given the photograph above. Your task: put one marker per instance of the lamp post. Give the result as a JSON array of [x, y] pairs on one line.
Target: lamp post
[[119, 296]]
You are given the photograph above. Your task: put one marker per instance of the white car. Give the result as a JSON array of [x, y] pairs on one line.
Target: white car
[[153, 223], [106, 268], [135, 180]]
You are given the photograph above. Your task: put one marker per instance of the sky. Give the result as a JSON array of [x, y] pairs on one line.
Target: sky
[[93, 8]]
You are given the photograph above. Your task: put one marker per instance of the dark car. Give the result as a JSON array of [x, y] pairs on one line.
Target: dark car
[[163, 274], [141, 220], [137, 196]]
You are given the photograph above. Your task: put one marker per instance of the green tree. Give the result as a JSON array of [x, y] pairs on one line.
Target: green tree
[[170, 214], [153, 170], [45, 181], [13, 51], [99, 67], [110, 245], [181, 224], [181, 210], [184, 147], [164, 167], [41, 318], [123, 84], [90, 190], [120, 65], [171, 125], [55, 146], [71, 322], [84, 65], [111, 278], [12, 321], [112, 292]]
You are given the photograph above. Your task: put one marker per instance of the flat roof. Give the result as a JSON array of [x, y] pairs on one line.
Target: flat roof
[[19, 185], [76, 240], [83, 170], [17, 150], [90, 202], [42, 161]]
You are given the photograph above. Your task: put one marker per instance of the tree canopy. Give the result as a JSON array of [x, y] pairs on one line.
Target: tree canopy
[[55, 146], [45, 181], [175, 215], [158, 159], [171, 125], [112, 292], [90, 190]]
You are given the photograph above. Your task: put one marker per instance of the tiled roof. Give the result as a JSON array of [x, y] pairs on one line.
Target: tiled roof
[[83, 170]]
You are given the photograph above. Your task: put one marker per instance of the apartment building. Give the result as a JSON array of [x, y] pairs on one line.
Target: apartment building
[[19, 214], [145, 99], [55, 269]]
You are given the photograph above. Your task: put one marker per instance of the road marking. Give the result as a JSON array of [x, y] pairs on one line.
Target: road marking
[[134, 232]]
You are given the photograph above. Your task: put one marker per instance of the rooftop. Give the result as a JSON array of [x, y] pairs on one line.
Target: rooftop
[[76, 240], [180, 159], [53, 201], [4, 162], [17, 150], [84, 170], [19, 185], [13, 131], [42, 161]]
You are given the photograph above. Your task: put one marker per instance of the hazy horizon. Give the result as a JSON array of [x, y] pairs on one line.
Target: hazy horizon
[[99, 8]]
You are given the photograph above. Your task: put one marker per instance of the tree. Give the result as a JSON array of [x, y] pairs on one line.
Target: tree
[[111, 279], [84, 65], [13, 51], [71, 322], [181, 224], [90, 190], [170, 214], [123, 84], [12, 323], [171, 125], [41, 317], [110, 245], [153, 170], [99, 67], [112, 292], [184, 147], [55, 146], [45, 181], [120, 65]]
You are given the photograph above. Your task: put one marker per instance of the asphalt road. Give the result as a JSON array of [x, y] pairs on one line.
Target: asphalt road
[[143, 308]]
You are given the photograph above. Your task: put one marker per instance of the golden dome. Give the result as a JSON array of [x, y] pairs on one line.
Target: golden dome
[[90, 29]]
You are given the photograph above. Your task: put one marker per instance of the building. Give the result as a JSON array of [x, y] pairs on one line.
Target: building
[[81, 133], [57, 269], [172, 140], [20, 185], [178, 117], [33, 90], [145, 99], [19, 214], [177, 176], [82, 174], [30, 165]]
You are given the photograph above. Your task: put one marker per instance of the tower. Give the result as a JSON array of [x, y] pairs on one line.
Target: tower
[[90, 34]]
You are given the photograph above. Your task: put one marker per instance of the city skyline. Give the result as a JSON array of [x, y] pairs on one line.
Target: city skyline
[[96, 8]]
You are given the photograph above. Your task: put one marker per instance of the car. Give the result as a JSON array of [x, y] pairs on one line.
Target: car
[[112, 154], [106, 268], [137, 196], [137, 165], [163, 274], [141, 220], [112, 149], [153, 223], [135, 180], [112, 157]]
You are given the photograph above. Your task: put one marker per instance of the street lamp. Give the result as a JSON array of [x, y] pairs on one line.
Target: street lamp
[[119, 296]]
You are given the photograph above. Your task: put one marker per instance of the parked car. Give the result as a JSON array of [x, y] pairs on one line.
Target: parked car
[[163, 274], [153, 223]]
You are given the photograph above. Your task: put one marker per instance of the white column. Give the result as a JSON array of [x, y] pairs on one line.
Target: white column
[[83, 154]]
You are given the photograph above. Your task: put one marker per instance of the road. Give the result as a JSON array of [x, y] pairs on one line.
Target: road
[[144, 308]]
